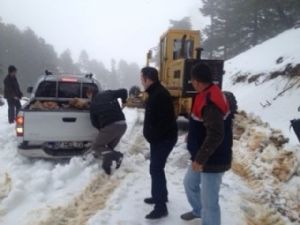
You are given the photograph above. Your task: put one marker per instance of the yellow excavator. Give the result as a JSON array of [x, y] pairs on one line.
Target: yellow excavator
[[179, 51]]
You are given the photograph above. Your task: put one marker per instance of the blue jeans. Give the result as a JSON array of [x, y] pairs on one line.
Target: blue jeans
[[204, 199]]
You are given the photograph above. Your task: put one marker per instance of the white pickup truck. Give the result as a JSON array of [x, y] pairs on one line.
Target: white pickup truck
[[47, 126]]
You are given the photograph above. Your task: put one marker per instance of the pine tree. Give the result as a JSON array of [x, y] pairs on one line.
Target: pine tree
[[237, 25], [66, 63]]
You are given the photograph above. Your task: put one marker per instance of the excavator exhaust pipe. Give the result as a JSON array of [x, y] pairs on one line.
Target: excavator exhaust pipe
[[199, 53]]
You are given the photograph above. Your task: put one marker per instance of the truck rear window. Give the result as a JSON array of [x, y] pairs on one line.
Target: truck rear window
[[46, 89], [53, 89], [68, 90]]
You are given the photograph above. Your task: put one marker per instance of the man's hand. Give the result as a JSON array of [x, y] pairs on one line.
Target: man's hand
[[197, 167]]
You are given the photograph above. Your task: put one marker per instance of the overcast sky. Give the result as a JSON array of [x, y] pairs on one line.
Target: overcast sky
[[105, 29]]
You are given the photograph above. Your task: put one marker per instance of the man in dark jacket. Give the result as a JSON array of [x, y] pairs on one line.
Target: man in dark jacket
[[209, 142], [160, 130], [12, 93], [107, 116]]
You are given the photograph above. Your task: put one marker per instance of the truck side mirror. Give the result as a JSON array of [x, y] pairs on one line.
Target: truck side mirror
[[29, 90]]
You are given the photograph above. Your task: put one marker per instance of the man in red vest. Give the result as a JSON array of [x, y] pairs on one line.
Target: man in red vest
[[209, 142]]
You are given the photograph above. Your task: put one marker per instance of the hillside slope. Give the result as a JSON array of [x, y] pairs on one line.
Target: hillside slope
[[266, 80]]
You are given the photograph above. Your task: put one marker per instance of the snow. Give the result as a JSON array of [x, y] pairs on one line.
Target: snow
[[262, 59], [77, 192], [44, 192]]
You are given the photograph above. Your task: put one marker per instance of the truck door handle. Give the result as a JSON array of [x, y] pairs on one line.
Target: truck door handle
[[69, 119]]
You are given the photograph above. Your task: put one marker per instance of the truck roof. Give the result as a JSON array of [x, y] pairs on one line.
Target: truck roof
[[68, 78]]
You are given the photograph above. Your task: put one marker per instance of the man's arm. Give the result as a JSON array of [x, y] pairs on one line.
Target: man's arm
[[122, 94], [214, 124]]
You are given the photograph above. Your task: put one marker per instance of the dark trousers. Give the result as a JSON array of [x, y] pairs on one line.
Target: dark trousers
[[13, 109], [109, 137], [158, 158]]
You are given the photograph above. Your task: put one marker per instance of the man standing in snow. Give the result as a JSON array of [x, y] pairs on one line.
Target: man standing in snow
[[209, 142], [107, 116], [160, 130], [12, 93]]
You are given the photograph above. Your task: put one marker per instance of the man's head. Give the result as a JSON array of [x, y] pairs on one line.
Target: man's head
[[12, 70], [201, 76], [91, 92], [149, 75]]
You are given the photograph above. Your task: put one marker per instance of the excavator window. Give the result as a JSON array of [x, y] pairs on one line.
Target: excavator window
[[183, 49]]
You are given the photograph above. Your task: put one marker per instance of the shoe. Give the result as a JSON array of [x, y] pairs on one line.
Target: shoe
[[119, 158], [108, 158], [150, 201], [158, 213], [189, 216]]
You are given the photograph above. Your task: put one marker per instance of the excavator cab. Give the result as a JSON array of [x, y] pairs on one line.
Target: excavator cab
[[180, 50]]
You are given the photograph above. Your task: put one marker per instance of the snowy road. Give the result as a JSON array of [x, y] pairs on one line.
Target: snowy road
[[38, 192]]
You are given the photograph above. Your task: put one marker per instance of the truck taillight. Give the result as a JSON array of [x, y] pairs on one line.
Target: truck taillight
[[20, 120], [20, 126]]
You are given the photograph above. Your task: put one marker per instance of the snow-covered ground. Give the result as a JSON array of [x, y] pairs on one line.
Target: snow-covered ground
[[77, 192], [271, 56], [262, 188]]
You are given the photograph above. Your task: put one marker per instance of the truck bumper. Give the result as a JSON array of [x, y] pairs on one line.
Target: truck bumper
[[36, 151]]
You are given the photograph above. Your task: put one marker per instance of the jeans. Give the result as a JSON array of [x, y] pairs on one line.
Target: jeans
[[159, 153], [202, 190], [14, 107]]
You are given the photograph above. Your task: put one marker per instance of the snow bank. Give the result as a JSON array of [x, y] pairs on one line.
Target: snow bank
[[262, 97]]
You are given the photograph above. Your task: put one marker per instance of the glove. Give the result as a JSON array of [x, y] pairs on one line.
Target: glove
[[108, 158]]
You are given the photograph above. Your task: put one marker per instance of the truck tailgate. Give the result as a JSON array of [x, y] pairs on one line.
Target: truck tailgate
[[58, 126]]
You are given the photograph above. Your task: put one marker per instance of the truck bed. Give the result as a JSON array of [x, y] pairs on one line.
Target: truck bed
[[62, 123]]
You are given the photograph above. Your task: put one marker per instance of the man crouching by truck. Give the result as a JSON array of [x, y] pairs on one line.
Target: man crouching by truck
[[107, 116]]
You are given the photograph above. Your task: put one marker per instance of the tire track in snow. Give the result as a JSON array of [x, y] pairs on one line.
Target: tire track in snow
[[5, 188], [78, 211]]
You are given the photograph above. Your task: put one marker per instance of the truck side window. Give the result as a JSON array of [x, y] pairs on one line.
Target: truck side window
[[68, 90], [46, 89]]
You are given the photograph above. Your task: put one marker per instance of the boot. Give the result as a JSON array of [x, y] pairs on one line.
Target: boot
[[159, 211], [108, 158]]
